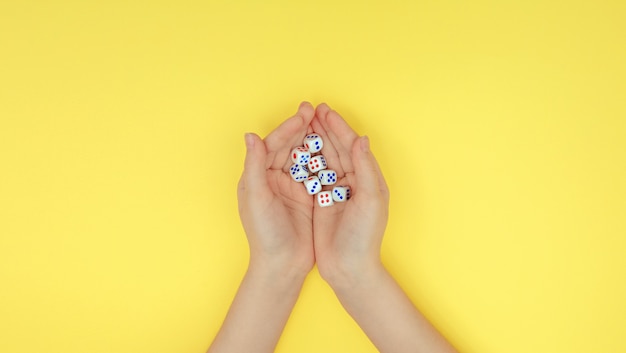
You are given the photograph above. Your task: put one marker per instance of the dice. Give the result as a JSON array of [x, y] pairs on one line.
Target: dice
[[313, 185], [317, 163], [327, 176], [299, 173], [341, 193], [307, 161], [313, 143], [324, 199], [300, 155]]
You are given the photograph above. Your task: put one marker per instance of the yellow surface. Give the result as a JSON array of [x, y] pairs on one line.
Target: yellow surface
[[500, 126]]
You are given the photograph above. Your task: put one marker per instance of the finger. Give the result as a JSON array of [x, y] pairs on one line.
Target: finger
[[328, 151], [254, 177], [288, 135], [382, 183], [339, 133], [369, 180], [336, 126], [289, 162]]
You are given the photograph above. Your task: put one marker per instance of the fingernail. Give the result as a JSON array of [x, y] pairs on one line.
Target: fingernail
[[303, 104], [365, 143], [249, 140]]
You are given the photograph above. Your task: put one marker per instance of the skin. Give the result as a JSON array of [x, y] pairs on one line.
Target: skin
[[288, 233]]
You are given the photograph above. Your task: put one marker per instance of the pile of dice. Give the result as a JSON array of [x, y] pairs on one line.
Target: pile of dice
[[308, 160]]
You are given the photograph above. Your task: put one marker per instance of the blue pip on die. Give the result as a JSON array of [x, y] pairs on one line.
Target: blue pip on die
[[341, 193], [299, 173], [300, 155], [313, 143], [327, 176], [313, 185]]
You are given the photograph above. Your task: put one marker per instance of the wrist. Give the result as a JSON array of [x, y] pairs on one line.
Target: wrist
[[277, 274], [348, 278]]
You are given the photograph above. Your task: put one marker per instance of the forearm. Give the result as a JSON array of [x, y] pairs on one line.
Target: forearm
[[388, 317], [259, 311]]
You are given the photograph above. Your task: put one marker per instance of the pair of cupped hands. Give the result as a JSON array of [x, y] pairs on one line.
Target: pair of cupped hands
[[288, 232]]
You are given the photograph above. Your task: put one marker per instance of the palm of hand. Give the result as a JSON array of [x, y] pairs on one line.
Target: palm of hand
[[285, 227], [277, 213], [348, 235], [336, 231], [290, 217]]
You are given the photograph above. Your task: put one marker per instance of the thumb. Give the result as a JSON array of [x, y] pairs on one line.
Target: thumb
[[366, 169], [254, 174]]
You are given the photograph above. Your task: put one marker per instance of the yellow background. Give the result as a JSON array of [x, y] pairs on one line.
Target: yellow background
[[500, 127]]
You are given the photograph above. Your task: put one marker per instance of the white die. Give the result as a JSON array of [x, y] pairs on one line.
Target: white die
[[317, 163], [313, 142], [300, 155], [327, 177], [313, 185], [324, 199], [341, 193], [299, 173]]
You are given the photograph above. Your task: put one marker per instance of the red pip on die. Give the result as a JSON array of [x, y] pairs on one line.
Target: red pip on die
[[317, 163], [324, 199]]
